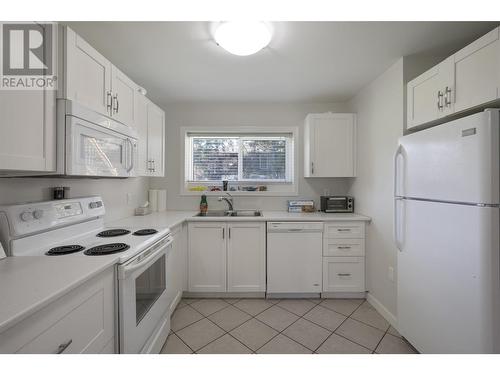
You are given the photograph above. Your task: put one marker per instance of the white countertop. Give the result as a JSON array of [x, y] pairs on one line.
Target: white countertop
[[173, 218], [27, 284]]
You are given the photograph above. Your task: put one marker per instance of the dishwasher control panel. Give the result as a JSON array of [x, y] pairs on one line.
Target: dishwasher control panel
[[294, 226]]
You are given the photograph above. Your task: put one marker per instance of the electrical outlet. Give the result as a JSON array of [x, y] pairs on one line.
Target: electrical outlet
[[390, 273]]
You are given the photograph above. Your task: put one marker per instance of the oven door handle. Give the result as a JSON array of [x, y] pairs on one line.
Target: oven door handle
[[126, 270]]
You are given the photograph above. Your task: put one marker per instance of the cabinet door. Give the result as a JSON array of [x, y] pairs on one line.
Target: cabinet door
[[207, 257], [331, 145], [477, 72], [156, 140], [141, 125], [124, 92], [423, 103], [246, 257], [87, 75], [343, 274], [176, 268], [28, 137]]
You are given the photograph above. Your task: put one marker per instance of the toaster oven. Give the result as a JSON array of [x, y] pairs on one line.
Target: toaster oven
[[337, 203]]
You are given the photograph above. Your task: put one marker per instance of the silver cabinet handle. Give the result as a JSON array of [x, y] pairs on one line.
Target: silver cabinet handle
[[109, 101], [154, 165], [61, 348], [447, 97], [343, 230], [343, 247], [223, 233], [229, 233], [115, 103], [343, 274], [312, 167], [439, 101]]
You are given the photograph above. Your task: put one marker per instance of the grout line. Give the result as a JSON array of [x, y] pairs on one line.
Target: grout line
[[385, 333], [185, 343]]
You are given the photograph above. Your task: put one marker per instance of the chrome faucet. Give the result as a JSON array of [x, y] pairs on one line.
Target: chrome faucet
[[229, 201]]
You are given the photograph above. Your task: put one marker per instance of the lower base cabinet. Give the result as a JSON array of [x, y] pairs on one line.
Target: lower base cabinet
[[344, 257], [226, 257], [82, 321], [176, 267], [344, 274]]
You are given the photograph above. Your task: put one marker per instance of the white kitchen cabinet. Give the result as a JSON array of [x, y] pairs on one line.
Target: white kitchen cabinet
[[124, 96], [344, 257], [330, 145], [246, 257], [28, 130], [156, 140], [477, 72], [82, 321], [150, 126], [27, 137], [176, 267], [468, 79], [234, 250], [93, 81], [207, 257], [87, 73], [428, 95], [344, 274]]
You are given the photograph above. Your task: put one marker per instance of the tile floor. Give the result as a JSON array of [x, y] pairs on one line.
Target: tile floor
[[289, 326]]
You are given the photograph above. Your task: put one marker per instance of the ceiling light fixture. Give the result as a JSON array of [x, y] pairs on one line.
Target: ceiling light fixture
[[242, 38]]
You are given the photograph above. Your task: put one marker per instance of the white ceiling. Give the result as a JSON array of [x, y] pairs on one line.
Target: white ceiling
[[305, 61]]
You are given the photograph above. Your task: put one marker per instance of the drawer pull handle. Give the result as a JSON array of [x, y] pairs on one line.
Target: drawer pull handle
[[343, 230], [64, 346], [343, 247], [343, 274]]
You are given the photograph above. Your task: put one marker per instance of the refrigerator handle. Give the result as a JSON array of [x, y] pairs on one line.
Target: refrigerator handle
[[397, 224], [399, 151]]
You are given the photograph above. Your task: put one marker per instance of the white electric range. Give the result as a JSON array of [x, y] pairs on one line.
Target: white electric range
[[75, 228]]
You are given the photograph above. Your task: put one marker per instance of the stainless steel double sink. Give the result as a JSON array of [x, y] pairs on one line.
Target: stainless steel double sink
[[235, 213]]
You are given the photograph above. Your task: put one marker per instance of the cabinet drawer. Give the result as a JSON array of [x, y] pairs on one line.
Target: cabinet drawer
[[343, 274], [345, 230], [343, 247], [80, 322]]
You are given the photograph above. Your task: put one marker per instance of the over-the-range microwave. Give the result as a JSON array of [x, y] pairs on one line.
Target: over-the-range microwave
[[90, 144]]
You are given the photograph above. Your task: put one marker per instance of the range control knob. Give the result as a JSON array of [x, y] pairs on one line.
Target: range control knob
[[26, 216], [37, 214]]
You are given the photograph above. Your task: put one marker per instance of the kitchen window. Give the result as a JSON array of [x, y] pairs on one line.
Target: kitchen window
[[244, 158]]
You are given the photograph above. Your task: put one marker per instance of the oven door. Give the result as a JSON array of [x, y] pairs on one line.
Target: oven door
[[142, 295], [93, 150]]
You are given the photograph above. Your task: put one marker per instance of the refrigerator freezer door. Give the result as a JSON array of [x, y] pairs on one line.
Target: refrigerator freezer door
[[448, 277], [457, 161]]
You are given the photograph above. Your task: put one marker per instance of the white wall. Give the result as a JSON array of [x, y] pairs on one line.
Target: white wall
[[113, 191], [234, 114], [379, 107]]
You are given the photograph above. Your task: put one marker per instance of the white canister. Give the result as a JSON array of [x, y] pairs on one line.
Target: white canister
[[162, 200], [153, 200]]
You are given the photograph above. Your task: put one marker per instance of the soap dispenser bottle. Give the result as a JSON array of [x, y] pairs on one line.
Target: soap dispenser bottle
[[203, 205]]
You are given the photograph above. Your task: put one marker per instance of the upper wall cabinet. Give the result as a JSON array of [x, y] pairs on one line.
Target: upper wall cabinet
[[150, 125], [330, 145], [470, 78], [87, 74], [90, 79], [28, 131]]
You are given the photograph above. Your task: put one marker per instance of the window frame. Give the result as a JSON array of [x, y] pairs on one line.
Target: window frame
[[288, 187]]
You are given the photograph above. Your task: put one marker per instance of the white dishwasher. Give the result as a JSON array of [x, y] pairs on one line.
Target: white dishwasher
[[294, 257]]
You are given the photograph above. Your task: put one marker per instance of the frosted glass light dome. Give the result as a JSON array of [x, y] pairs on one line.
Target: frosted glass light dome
[[242, 38]]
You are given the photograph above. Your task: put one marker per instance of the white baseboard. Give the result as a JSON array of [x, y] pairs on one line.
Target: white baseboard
[[382, 310]]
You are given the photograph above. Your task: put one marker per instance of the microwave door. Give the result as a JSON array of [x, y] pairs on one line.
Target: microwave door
[[96, 151]]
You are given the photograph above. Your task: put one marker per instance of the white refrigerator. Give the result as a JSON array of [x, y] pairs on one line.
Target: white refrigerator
[[446, 228]]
